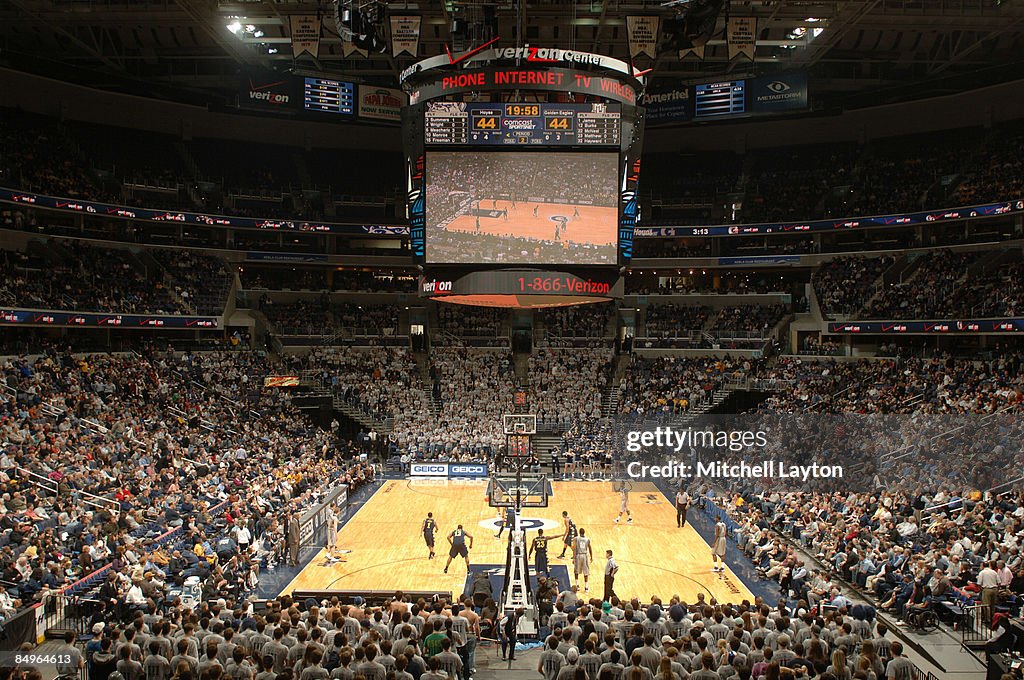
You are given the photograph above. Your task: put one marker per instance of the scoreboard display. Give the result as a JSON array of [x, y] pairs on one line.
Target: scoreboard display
[[522, 124], [720, 99], [329, 96]]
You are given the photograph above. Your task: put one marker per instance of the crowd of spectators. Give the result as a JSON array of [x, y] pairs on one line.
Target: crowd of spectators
[[473, 389], [845, 284], [999, 176], [654, 388], [133, 446], [938, 385], [927, 292], [795, 183], [743, 321], [73, 160], [465, 321], [85, 278], [589, 321], [566, 385], [996, 293], [669, 324], [906, 550], [201, 281], [673, 639], [380, 381], [302, 317], [369, 319]]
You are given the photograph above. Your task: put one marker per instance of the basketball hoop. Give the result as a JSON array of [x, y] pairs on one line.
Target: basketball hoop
[[519, 423]]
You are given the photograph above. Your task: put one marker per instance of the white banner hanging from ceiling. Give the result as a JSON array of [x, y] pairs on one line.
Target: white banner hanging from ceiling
[[305, 35], [405, 35], [643, 35], [742, 34]]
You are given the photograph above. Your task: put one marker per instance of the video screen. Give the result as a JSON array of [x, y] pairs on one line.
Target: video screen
[[521, 208]]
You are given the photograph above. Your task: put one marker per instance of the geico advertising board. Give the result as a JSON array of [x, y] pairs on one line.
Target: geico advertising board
[[448, 470]]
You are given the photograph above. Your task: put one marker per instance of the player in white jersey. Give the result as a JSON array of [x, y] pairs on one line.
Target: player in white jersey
[[582, 555], [718, 546], [624, 505]]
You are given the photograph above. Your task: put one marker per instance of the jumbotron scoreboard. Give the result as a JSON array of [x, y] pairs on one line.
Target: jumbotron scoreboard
[[522, 124], [522, 168]]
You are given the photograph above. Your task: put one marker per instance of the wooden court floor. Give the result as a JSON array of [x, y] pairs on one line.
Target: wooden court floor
[[595, 225], [387, 550]]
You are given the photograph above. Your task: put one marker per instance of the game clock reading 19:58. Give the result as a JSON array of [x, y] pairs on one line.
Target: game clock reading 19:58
[[530, 110]]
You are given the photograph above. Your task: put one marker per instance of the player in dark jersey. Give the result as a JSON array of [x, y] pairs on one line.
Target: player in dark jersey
[[457, 539], [540, 547], [428, 528], [569, 537], [509, 522]]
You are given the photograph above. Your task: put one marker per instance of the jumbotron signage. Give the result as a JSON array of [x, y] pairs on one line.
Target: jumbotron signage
[[446, 84], [535, 56], [521, 288]]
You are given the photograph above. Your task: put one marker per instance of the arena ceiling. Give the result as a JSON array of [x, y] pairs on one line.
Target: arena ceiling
[[874, 50]]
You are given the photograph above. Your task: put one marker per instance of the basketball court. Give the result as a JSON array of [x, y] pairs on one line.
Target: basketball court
[[595, 225], [388, 553]]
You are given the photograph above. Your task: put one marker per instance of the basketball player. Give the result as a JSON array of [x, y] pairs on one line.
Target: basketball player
[[509, 522], [478, 224], [576, 211], [569, 536], [535, 211], [332, 529], [332, 537], [718, 546], [557, 234], [624, 505], [428, 528], [582, 554], [540, 547], [457, 540]]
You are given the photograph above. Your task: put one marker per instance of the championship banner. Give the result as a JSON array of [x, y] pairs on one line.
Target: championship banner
[[643, 35], [348, 48], [281, 381], [380, 103], [742, 36], [305, 35], [405, 35], [695, 51]]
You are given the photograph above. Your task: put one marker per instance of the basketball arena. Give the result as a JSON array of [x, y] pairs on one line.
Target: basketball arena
[[491, 340]]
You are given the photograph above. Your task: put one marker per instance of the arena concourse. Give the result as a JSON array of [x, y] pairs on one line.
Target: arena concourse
[[245, 436]]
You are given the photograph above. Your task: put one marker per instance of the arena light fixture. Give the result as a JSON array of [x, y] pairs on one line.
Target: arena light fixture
[[235, 26]]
